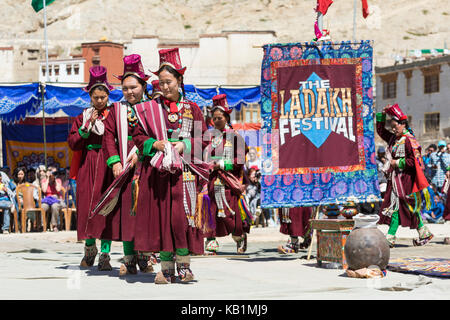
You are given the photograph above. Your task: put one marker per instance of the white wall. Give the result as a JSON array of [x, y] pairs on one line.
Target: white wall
[[63, 75], [245, 57], [6, 65], [231, 58]]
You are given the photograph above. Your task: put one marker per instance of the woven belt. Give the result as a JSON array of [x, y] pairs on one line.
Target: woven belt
[[93, 146]]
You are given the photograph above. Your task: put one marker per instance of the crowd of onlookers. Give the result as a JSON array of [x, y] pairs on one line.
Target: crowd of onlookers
[[436, 160], [51, 190]]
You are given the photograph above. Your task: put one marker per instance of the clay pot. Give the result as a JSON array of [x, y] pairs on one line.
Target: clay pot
[[365, 247], [349, 212], [332, 211]]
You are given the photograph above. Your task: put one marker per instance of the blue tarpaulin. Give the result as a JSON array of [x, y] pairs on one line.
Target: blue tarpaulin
[[16, 102]]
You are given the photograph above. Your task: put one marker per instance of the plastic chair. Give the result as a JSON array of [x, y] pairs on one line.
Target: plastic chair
[[13, 212], [28, 204], [68, 211]]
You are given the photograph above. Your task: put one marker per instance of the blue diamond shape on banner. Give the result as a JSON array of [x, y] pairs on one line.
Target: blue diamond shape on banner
[[316, 136]]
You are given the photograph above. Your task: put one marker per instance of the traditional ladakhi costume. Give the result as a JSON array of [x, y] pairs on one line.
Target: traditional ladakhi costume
[[295, 223], [92, 174], [167, 185], [119, 147], [406, 181], [228, 149]]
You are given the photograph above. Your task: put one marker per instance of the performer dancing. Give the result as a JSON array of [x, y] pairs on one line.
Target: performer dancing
[[167, 189], [120, 150], [406, 180], [226, 153], [295, 223], [92, 173]]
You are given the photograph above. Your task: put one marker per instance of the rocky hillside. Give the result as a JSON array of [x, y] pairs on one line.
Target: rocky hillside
[[395, 25]]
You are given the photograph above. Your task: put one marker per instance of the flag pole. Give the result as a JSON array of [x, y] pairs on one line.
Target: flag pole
[[43, 86], [354, 20]]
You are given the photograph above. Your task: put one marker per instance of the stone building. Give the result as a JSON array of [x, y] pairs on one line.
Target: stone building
[[421, 89]]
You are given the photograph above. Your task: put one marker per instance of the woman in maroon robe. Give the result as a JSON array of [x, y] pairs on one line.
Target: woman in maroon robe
[[119, 151], [167, 198], [295, 223], [226, 152], [406, 180], [92, 174]]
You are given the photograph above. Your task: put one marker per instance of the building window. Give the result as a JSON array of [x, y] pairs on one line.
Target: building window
[[50, 70], [408, 86], [431, 83], [250, 113], [76, 69], [432, 122], [43, 71], [69, 69], [56, 70], [389, 90]]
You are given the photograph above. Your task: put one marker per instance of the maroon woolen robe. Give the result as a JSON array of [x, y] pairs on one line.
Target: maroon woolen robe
[[161, 222], [299, 222], [93, 176], [406, 178], [231, 224], [119, 224]]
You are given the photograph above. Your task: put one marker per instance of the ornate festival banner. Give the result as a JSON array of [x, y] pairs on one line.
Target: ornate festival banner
[[318, 126]]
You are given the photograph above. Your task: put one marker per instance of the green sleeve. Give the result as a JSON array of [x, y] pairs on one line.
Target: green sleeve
[[448, 168], [187, 145], [148, 147], [401, 163], [381, 117], [83, 134], [112, 160], [228, 165]]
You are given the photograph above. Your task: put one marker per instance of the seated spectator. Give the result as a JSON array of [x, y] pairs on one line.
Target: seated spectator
[[20, 175], [434, 215], [41, 174], [6, 200], [31, 175], [53, 200]]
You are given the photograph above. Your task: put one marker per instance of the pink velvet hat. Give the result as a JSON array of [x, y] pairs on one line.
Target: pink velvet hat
[[98, 78], [132, 64]]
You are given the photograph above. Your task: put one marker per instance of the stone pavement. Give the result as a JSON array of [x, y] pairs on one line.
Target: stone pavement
[[46, 266]]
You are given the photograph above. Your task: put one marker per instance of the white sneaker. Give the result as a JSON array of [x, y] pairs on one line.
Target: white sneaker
[[5, 232]]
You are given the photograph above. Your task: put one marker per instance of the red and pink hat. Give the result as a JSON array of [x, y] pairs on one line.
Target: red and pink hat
[[132, 64], [156, 88], [98, 78], [220, 102], [170, 57], [396, 113]]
